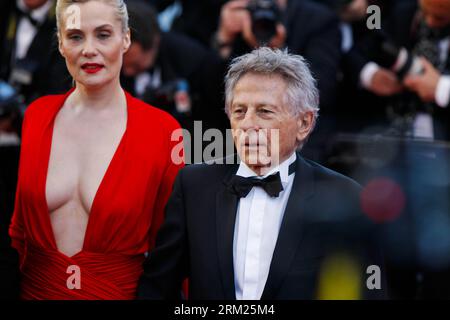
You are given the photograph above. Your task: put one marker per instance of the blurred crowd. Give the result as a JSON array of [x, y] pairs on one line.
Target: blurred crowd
[[383, 73], [390, 76]]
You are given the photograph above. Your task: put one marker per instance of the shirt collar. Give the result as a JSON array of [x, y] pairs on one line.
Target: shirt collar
[[283, 168], [39, 14]]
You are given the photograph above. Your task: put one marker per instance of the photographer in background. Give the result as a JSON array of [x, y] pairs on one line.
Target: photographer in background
[[363, 85], [355, 34], [432, 85], [394, 66], [9, 259], [29, 60], [198, 19], [421, 33], [10, 122], [304, 27], [172, 71], [406, 63], [11, 111], [30, 66]]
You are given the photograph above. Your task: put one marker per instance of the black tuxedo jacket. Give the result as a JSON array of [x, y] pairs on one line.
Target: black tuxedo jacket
[[9, 258], [404, 32], [322, 217], [180, 57]]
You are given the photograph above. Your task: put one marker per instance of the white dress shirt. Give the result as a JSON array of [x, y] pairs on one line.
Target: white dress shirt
[[146, 79], [346, 37], [442, 94], [443, 91], [26, 31], [258, 222]]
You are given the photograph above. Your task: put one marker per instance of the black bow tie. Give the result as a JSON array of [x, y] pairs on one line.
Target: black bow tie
[[271, 184], [242, 186], [27, 14]]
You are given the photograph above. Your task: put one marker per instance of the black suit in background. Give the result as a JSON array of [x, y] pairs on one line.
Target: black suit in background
[[49, 75], [9, 259], [196, 239], [404, 31], [359, 108], [198, 20], [180, 57], [43, 60], [362, 108], [313, 32], [9, 268]]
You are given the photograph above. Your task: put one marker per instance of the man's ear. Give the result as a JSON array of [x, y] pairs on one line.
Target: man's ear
[[305, 122]]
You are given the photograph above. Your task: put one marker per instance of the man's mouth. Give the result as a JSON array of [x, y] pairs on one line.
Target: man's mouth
[[254, 145]]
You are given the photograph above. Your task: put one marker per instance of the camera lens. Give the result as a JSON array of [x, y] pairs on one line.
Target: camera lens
[[265, 15]]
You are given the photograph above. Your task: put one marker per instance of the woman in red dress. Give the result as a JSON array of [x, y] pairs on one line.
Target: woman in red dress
[[96, 168]]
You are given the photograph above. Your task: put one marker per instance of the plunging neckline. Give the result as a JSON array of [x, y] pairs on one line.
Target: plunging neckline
[[91, 212]]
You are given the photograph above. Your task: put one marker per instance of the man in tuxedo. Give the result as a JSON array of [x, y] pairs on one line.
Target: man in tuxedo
[[415, 98], [197, 19], [433, 84], [275, 226], [29, 59]]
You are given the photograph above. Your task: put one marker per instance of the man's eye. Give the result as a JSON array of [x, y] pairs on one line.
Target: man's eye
[[266, 111]]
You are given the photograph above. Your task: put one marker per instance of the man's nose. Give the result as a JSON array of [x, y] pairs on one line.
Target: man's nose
[[250, 121]]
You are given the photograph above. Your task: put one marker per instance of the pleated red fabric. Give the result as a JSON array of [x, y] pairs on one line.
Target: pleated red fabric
[[126, 212]]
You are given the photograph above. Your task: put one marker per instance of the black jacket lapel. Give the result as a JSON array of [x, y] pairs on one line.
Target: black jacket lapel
[[290, 232], [226, 207]]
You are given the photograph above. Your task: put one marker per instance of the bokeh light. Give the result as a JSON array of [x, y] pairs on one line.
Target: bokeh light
[[382, 200], [340, 278]]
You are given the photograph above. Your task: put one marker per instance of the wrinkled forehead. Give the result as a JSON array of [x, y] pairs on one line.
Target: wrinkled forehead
[[262, 78]]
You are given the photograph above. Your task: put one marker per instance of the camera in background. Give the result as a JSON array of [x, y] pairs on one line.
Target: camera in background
[[265, 14], [396, 58], [12, 109]]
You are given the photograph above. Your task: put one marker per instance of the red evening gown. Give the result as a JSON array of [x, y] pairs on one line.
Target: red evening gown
[[125, 215]]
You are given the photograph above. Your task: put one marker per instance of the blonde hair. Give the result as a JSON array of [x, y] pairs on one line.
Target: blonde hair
[[119, 5]]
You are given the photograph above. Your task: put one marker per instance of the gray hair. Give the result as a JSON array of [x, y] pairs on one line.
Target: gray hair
[[302, 94], [119, 5]]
